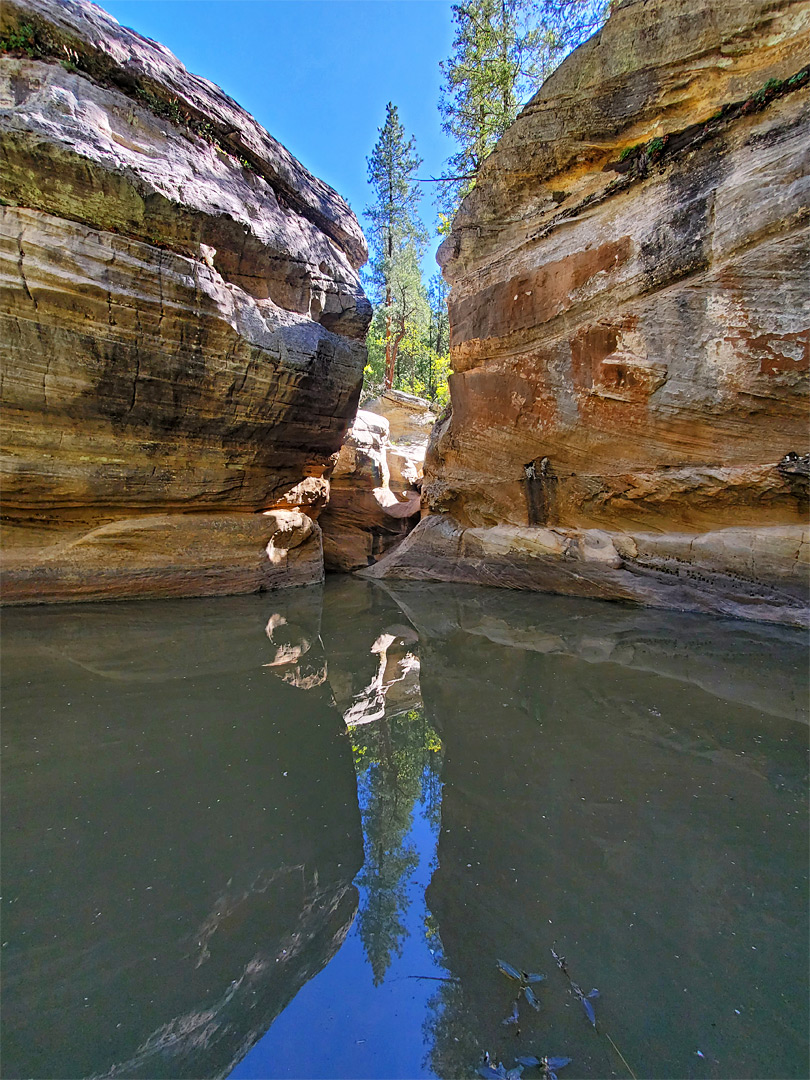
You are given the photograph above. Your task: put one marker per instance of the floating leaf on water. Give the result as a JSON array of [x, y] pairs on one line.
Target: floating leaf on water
[[513, 1018], [488, 1071], [531, 977], [531, 997], [508, 970], [586, 1005], [529, 1060]]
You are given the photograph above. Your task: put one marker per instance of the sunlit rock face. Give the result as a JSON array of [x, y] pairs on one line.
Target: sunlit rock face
[[629, 325], [182, 322], [367, 514], [410, 418]]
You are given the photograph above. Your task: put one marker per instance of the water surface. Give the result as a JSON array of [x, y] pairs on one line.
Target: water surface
[[290, 835]]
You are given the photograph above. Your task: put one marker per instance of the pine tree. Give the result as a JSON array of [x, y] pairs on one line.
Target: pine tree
[[397, 237], [502, 51], [438, 341]]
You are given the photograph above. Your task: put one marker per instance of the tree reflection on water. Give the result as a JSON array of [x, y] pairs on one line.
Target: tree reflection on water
[[397, 757]]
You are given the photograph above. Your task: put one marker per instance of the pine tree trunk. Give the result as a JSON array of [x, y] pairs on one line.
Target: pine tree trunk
[[390, 353], [394, 351], [389, 358]]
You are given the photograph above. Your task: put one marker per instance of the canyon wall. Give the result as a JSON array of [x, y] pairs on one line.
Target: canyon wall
[[182, 324], [369, 511], [629, 326]]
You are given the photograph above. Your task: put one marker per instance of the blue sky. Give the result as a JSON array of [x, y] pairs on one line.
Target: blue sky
[[317, 73]]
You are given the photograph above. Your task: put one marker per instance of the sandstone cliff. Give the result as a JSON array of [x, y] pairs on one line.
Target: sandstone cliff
[[182, 323], [629, 325], [368, 514]]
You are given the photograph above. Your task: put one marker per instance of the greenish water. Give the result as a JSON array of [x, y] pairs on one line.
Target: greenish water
[[289, 835]]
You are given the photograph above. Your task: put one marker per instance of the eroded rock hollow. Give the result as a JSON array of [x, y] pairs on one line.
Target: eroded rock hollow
[[182, 324], [629, 326]]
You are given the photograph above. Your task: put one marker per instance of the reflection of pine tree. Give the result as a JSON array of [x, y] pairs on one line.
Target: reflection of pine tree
[[449, 1032], [398, 764]]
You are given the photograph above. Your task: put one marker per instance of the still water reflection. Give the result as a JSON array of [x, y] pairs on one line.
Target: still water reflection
[[289, 835]]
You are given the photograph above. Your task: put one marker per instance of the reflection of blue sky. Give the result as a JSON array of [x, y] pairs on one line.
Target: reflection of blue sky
[[365, 1014], [340, 1024]]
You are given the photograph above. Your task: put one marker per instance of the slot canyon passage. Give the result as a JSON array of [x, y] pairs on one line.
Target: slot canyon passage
[[551, 716]]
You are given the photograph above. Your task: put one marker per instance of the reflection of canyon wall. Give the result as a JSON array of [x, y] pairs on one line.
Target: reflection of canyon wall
[[629, 331], [372, 651], [728, 660], [183, 323], [593, 802], [195, 846]]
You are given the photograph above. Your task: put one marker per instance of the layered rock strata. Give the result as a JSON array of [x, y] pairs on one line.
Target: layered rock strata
[[410, 418], [182, 323], [629, 326], [366, 516]]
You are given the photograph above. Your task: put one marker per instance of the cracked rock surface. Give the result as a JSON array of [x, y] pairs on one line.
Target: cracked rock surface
[[182, 323], [630, 325]]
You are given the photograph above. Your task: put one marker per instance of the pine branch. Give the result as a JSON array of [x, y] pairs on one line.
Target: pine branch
[[443, 179]]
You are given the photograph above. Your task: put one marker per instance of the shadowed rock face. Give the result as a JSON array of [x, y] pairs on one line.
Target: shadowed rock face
[[183, 321], [629, 328]]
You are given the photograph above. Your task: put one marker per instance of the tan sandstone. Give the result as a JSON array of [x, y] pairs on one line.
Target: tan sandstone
[[365, 516], [182, 324], [629, 325]]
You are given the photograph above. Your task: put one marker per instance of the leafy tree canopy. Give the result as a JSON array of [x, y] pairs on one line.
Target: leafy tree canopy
[[404, 339], [502, 51]]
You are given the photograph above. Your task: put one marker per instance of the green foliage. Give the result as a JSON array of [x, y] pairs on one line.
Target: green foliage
[[423, 353], [502, 51], [22, 39], [165, 109], [407, 347], [393, 215], [398, 763], [774, 88], [642, 155], [396, 243]]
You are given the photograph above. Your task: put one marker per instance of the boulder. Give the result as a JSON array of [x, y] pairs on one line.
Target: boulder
[[744, 573], [364, 518], [405, 465], [183, 324], [410, 418], [156, 555], [629, 324]]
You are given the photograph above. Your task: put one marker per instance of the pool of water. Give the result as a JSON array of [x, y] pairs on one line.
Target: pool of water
[[291, 835]]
